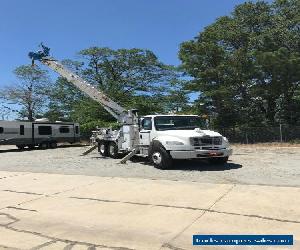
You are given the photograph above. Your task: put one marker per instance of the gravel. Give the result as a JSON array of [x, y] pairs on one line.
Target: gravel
[[260, 165]]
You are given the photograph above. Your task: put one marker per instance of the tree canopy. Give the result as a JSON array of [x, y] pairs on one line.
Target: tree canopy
[[247, 65], [30, 91], [244, 66]]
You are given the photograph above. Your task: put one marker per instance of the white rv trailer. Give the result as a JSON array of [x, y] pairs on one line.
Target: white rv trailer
[[43, 133]]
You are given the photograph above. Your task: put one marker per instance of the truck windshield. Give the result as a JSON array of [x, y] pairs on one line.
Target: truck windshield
[[177, 122]]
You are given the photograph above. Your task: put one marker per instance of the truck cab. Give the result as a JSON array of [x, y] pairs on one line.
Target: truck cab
[[167, 137]]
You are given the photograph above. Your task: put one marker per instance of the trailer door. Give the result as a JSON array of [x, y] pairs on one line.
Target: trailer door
[[42, 132], [66, 133]]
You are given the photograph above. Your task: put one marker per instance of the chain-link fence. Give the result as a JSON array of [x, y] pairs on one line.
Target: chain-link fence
[[280, 133]]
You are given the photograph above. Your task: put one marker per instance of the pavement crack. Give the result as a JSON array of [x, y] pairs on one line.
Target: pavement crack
[[14, 219], [21, 192], [112, 201], [189, 208], [199, 217], [72, 189], [35, 199], [222, 196], [167, 245], [48, 243], [20, 208], [8, 248], [69, 246], [54, 239]]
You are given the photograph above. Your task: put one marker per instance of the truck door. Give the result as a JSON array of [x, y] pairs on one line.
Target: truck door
[[145, 133]]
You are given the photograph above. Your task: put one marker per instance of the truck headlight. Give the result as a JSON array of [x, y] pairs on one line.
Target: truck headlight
[[174, 143]]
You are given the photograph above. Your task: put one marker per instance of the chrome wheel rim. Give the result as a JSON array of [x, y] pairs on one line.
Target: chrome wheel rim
[[156, 158], [112, 150], [102, 148]]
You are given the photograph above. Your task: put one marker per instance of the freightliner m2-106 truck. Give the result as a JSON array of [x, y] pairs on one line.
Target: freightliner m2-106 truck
[[162, 138]]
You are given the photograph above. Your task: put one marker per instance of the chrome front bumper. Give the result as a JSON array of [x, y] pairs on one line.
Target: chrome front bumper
[[198, 154]]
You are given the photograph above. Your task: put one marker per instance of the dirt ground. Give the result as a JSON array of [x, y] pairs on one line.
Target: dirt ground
[[261, 164]]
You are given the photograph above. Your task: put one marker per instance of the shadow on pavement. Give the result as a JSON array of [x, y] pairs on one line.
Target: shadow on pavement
[[197, 165], [193, 165]]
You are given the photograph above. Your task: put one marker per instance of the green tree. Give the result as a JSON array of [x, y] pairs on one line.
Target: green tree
[[127, 73], [30, 92], [247, 65], [134, 78]]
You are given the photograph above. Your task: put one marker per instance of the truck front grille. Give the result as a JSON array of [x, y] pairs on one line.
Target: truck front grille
[[203, 141]]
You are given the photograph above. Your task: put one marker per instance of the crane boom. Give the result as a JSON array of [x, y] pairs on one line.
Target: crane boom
[[112, 107], [109, 105]]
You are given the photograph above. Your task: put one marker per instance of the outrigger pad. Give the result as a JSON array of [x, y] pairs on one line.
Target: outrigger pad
[[89, 150]]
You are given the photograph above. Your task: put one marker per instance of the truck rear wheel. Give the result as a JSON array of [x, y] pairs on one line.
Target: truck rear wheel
[[102, 148], [113, 150], [159, 156]]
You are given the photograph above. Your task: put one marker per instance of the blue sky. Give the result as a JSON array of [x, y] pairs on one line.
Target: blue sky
[[67, 26]]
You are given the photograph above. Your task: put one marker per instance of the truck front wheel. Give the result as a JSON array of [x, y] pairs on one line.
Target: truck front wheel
[[160, 157]]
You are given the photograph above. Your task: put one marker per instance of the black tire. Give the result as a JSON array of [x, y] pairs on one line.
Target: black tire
[[43, 145], [53, 144], [21, 147], [113, 150], [159, 156], [31, 147], [102, 148], [219, 160]]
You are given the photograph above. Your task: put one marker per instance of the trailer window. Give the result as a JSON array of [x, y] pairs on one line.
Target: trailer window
[[64, 130], [77, 130], [21, 129], [1, 130], [45, 130]]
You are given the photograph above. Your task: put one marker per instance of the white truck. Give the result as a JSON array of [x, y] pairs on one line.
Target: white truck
[[162, 138]]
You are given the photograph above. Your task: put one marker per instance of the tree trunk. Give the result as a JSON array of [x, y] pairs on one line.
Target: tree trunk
[[30, 114]]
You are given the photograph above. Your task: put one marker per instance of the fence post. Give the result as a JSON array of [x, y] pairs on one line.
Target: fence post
[[280, 131], [247, 142]]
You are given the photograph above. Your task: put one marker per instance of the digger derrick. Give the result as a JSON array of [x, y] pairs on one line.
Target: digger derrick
[[109, 105], [118, 112], [123, 140]]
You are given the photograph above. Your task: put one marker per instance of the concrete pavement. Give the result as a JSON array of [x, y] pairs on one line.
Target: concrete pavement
[[50, 211]]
